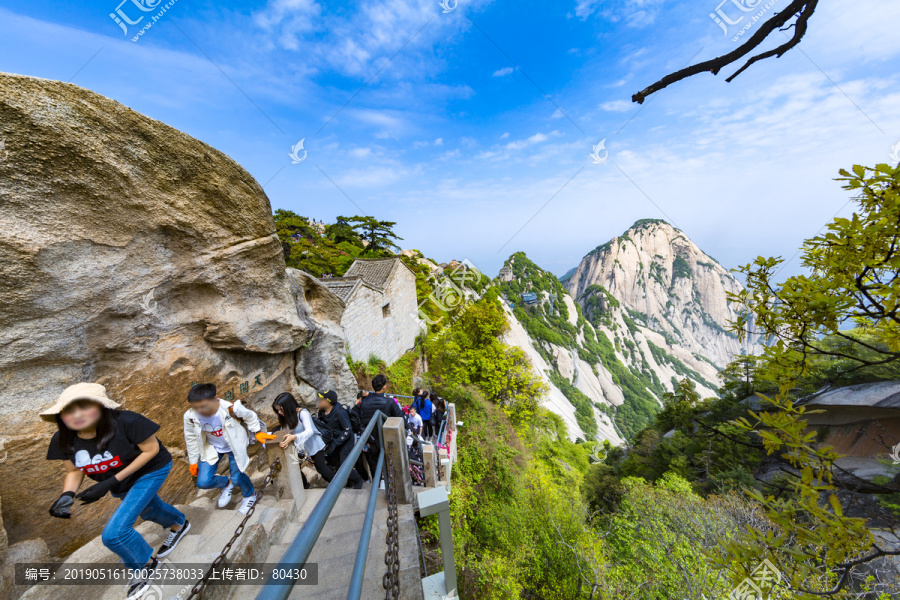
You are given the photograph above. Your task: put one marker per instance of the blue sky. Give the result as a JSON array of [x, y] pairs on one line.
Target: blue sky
[[472, 128]]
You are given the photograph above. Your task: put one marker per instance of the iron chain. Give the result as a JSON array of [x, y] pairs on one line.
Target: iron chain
[[391, 579], [220, 559]]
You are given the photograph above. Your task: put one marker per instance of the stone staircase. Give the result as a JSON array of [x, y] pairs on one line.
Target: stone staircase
[[335, 552], [268, 533]]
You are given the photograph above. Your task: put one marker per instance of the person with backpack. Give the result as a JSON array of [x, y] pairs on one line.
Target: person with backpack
[[215, 429], [119, 451], [297, 422], [424, 408], [333, 421], [367, 407], [438, 416]]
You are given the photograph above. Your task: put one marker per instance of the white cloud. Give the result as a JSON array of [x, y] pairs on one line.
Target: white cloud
[[504, 136], [378, 118], [361, 152], [292, 19], [637, 13], [503, 72], [439, 142], [617, 106], [519, 144], [359, 42]]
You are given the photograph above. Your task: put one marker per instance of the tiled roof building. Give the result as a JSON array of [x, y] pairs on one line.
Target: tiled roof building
[[381, 311]]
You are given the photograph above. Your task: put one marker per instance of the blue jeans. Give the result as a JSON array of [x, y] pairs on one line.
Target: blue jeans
[[207, 478], [141, 501]]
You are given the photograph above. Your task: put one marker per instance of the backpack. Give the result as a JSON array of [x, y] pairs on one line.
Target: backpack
[[324, 429], [355, 421]]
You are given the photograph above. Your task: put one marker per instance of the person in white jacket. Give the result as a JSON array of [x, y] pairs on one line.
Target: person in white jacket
[[300, 431], [214, 429]]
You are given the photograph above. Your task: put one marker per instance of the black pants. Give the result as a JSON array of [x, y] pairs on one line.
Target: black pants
[[321, 464], [322, 468], [427, 429], [339, 456]]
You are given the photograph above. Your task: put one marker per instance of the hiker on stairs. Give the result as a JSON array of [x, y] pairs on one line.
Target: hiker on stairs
[[296, 421], [424, 407], [215, 429], [333, 421], [367, 407], [117, 449]]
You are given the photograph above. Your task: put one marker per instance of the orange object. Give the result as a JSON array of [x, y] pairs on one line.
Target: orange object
[[195, 469], [263, 437]]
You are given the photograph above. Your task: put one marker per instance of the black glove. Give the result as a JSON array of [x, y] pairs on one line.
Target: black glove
[[97, 491], [62, 506]]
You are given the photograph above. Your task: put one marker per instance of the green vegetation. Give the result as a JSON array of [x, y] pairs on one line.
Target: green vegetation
[[662, 357], [523, 495], [333, 250], [680, 513], [681, 268], [548, 326], [584, 413], [399, 374], [526, 499], [470, 353], [646, 223], [839, 324]]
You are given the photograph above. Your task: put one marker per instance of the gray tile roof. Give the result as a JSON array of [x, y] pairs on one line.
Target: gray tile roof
[[341, 287], [375, 271]]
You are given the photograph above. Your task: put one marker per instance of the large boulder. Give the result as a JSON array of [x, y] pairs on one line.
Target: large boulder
[[134, 256], [323, 364], [30, 551]]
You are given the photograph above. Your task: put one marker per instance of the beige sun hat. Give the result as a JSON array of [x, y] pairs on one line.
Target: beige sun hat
[[80, 391]]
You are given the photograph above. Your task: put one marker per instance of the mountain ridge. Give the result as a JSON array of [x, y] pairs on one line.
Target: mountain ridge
[[611, 344]]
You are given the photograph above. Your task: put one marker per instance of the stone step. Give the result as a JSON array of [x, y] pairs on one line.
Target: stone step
[[211, 529], [273, 526], [335, 554]]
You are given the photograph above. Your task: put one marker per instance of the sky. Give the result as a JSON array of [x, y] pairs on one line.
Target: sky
[[472, 123]]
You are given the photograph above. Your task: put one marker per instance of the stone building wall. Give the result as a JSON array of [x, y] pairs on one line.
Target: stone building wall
[[370, 328]]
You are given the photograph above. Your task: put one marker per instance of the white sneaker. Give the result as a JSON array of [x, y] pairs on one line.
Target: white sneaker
[[225, 497], [246, 504]]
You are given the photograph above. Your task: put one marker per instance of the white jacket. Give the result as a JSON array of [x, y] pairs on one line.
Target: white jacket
[[308, 437], [233, 431]]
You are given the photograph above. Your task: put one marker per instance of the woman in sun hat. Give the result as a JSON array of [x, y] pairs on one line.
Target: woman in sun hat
[[119, 451]]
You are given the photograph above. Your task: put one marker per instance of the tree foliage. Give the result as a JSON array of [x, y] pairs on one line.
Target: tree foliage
[[836, 324], [840, 322], [471, 353]]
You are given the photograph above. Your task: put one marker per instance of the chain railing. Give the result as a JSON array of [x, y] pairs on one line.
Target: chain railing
[[391, 579], [220, 559]]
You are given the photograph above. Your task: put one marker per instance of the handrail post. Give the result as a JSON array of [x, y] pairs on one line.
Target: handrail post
[[394, 432], [437, 502], [429, 465], [289, 480]]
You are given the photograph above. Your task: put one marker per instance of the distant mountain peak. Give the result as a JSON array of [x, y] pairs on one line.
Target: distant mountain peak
[[657, 273]]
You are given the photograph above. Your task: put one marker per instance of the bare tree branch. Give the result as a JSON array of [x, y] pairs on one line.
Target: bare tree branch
[[801, 9]]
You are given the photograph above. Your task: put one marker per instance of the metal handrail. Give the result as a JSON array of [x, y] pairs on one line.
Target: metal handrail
[[298, 552], [443, 429], [359, 567]]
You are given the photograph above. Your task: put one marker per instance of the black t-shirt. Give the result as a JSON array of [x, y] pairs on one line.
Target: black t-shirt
[[130, 430]]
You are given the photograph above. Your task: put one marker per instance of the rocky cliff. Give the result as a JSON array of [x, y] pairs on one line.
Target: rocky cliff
[[138, 257], [639, 313], [666, 283]]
